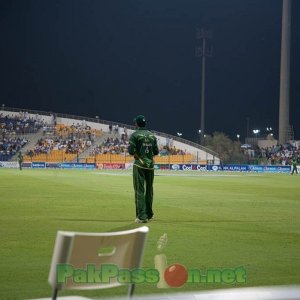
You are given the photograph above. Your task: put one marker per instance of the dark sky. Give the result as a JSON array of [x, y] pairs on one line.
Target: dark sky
[[120, 58]]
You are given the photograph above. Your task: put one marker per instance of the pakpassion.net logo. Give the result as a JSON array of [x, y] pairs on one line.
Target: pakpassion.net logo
[[175, 275]]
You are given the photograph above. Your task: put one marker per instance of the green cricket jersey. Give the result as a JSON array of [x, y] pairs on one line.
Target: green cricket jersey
[[294, 162], [143, 146]]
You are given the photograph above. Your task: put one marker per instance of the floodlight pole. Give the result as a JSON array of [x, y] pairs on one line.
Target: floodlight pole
[[203, 52], [284, 98], [202, 126]]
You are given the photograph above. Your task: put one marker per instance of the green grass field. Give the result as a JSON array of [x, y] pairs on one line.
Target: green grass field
[[213, 220]]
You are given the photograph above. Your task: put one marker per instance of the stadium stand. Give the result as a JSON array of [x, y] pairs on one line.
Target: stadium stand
[[114, 150], [15, 131], [275, 155], [63, 143], [10, 146], [77, 141], [65, 138], [20, 124]]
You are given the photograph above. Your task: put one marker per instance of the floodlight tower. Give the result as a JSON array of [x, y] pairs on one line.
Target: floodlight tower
[[203, 52], [284, 97]]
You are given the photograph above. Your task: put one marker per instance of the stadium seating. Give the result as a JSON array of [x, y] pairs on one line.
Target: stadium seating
[[20, 124], [175, 159], [122, 158], [66, 143], [53, 156]]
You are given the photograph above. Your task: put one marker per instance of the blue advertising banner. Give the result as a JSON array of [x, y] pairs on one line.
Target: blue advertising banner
[[255, 168], [52, 165], [270, 169], [175, 167], [240, 168], [26, 164], [189, 167], [277, 169], [77, 166], [39, 165], [214, 168]]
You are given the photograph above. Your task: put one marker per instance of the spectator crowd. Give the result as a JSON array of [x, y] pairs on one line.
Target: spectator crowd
[[118, 144], [11, 130], [77, 138], [10, 146], [275, 155], [20, 123]]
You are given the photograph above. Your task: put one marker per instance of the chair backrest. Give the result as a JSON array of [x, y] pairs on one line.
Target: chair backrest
[[78, 257]]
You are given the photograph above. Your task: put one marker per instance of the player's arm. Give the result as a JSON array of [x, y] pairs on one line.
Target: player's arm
[[155, 147], [132, 146]]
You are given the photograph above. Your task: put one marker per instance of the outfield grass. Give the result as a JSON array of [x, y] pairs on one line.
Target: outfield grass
[[212, 221]]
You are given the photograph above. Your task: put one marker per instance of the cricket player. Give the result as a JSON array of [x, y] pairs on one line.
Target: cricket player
[[20, 160], [294, 166], [143, 146]]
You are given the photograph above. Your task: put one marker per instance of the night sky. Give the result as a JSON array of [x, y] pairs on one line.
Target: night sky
[[119, 58]]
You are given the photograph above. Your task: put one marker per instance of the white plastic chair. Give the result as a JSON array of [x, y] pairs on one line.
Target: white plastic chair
[[124, 249]]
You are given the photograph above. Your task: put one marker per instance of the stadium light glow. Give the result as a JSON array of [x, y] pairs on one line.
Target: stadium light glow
[[256, 132]]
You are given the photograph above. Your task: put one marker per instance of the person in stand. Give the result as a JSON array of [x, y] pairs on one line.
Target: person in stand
[[20, 160], [143, 146]]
